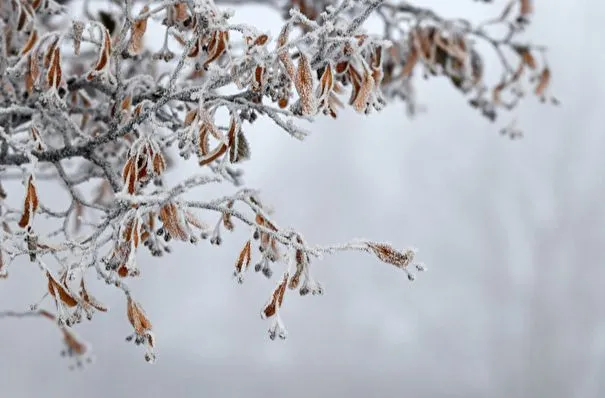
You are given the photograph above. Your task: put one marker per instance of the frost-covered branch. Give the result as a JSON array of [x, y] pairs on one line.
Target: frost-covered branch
[[87, 103]]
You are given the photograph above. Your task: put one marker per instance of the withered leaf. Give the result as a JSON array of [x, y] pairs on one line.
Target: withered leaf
[[363, 95], [526, 7], [300, 265], [227, 221], [389, 255], [137, 32], [208, 156], [137, 317], [304, 85], [326, 82], [72, 342], [93, 302], [30, 204], [217, 47], [169, 214], [244, 258], [190, 117], [410, 63], [276, 299], [241, 150], [543, 82], [129, 175], [64, 295], [31, 41], [159, 163], [527, 57], [342, 67], [196, 222], [104, 55], [261, 40]]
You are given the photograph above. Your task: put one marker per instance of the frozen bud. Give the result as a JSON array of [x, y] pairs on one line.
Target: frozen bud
[[420, 267], [411, 277], [150, 357], [258, 267], [267, 272]]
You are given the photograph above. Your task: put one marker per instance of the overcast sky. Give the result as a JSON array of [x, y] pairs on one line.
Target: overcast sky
[[511, 232]]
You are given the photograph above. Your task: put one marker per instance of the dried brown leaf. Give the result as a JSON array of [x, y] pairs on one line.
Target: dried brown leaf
[[244, 258], [389, 255], [276, 299], [72, 342], [137, 317], [526, 7], [64, 294], [217, 47], [88, 298], [543, 82], [304, 85], [169, 214], [30, 204], [31, 41], [410, 63], [526, 56], [361, 101], [135, 44], [261, 40], [326, 82]]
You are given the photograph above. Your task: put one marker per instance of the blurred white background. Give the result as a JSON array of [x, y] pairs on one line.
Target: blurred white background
[[511, 232]]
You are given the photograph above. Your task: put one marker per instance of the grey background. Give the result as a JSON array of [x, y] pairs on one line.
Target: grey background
[[511, 232]]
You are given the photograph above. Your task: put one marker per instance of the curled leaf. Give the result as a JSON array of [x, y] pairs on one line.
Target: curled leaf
[[243, 260], [30, 204], [276, 299], [137, 317], [88, 298], [543, 82], [31, 41], [75, 346], [56, 288], [135, 44], [389, 255]]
